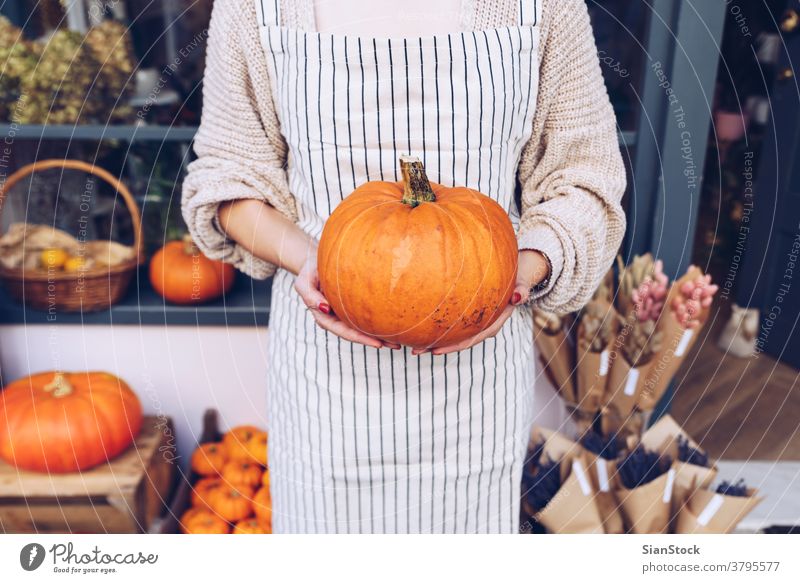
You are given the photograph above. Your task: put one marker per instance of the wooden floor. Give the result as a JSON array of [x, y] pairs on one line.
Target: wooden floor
[[738, 408]]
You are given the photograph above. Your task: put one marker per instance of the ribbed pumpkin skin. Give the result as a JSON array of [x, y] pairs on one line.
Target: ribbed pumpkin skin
[[426, 276], [42, 432], [181, 274]]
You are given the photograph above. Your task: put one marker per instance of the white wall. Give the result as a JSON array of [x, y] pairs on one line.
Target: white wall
[[177, 371]]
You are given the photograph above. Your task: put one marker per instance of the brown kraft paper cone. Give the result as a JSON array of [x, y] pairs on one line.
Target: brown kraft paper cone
[[646, 509], [707, 512], [572, 510], [678, 341], [662, 437], [592, 376], [629, 426], [603, 474], [625, 384], [557, 447], [555, 353]]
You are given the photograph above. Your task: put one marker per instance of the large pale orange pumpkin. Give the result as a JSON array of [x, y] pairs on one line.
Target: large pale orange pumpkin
[[64, 422], [180, 273], [416, 263]]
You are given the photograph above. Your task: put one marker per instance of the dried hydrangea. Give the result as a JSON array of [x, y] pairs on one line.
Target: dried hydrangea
[[18, 59], [112, 48], [59, 90]]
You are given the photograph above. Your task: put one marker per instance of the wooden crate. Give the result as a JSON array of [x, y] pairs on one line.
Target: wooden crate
[[126, 495], [181, 501]]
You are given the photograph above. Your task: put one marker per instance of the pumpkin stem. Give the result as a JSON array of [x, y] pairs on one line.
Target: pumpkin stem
[[60, 386], [416, 186], [188, 245]]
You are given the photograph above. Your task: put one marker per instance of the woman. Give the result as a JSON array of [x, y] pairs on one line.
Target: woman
[[303, 102]]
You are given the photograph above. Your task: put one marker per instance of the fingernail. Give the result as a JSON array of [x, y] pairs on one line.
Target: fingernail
[[516, 298], [324, 308]]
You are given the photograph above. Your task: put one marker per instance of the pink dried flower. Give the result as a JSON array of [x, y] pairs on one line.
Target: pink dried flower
[[695, 296], [648, 299]]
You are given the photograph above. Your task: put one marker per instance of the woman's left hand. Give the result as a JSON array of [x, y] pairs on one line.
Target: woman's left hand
[[532, 268]]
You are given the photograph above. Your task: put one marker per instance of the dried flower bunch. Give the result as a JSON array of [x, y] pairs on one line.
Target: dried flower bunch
[[693, 297], [541, 479], [18, 58], [67, 78], [642, 292], [112, 47], [597, 327], [641, 467], [608, 447], [691, 455], [727, 488], [548, 322]]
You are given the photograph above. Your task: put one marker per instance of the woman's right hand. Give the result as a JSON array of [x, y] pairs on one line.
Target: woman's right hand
[[306, 284]]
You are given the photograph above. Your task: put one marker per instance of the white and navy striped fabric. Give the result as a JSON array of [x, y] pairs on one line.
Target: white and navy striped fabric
[[381, 441]]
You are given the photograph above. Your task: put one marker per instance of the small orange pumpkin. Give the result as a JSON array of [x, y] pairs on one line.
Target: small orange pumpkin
[[204, 522], [209, 459], [201, 491], [231, 502], [187, 517], [59, 422], [262, 506], [244, 473], [181, 274], [238, 440], [416, 263], [256, 447], [251, 526]]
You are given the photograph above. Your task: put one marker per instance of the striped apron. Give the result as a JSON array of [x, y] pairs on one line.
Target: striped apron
[[380, 441]]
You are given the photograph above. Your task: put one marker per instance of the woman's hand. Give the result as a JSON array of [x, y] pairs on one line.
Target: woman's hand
[[532, 268], [307, 286]]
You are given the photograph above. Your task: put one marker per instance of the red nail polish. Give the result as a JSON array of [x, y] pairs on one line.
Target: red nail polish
[[516, 298], [324, 308]]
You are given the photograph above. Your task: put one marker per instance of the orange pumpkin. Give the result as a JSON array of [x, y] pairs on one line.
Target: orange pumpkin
[[181, 274], [187, 517], [242, 473], [416, 263], [209, 459], [64, 422], [204, 522], [256, 448], [231, 502], [251, 526], [262, 506], [239, 442], [201, 491]]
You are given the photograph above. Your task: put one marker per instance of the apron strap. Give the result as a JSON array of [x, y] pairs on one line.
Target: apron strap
[[529, 12], [269, 12]]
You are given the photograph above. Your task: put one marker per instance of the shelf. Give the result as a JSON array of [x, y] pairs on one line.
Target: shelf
[[125, 133], [247, 304]]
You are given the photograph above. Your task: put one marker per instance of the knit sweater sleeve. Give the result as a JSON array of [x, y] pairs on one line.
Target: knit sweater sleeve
[[571, 171], [240, 151]]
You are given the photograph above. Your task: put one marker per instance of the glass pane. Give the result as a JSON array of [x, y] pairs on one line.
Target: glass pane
[[620, 28]]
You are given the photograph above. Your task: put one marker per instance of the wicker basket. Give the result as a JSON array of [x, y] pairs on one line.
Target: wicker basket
[[85, 291]]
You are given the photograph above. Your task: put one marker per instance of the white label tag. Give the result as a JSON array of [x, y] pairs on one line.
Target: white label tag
[[683, 343], [583, 481], [668, 486], [710, 510], [630, 384], [603, 363], [602, 475]]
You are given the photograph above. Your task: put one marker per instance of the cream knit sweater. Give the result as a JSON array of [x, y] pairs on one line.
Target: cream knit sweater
[[571, 171]]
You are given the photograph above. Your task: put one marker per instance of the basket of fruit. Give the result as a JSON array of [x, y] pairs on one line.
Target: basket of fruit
[[48, 269]]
